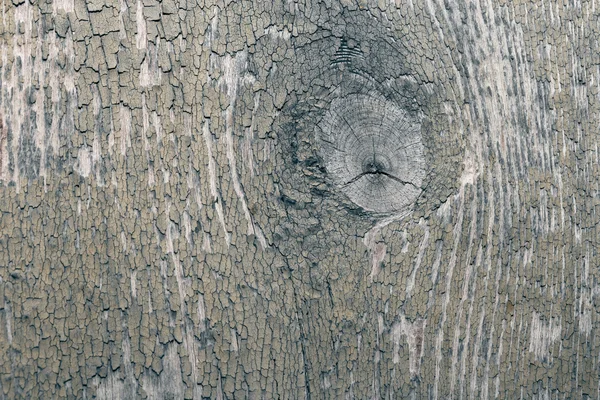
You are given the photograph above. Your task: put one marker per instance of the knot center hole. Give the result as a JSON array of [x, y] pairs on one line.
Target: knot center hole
[[374, 167]]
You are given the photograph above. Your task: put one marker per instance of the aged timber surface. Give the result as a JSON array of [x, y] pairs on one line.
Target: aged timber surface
[[299, 199]]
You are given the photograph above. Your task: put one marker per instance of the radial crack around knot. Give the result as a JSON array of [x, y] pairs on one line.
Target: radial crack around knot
[[377, 172]]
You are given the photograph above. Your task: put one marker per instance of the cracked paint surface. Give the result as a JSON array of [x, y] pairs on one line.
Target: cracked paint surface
[[173, 226]]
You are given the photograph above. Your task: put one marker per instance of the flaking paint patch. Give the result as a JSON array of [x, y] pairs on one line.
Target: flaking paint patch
[[3, 148], [173, 234], [201, 314], [377, 258], [133, 280], [63, 5], [274, 32], [543, 334], [213, 180], [118, 386], [370, 241], [459, 359], [125, 142], [123, 7], [214, 28], [247, 152], [110, 388], [8, 318], [150, 73], [84, 162], [413, 332], [410, 284], [141, 40], [234, 72], [457, 231], [15, 108], [157, 127], [585, 321], [234, 346], [206, 246], [34, 86], [193, 183], [470, 171], [169, 384]]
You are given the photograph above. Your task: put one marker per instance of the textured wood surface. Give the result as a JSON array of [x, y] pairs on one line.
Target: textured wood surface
[[173, 225]]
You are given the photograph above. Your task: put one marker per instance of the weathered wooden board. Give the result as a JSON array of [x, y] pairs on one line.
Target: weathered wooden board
[[299, 199]]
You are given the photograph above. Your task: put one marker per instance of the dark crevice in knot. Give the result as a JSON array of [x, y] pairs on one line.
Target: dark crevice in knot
[[374, 167]]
